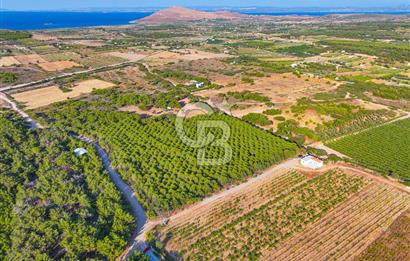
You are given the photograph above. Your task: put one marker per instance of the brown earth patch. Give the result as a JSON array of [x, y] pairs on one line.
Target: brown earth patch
[[30, 59], [130, 56], [280, 88], [58, 66], [42, 97]]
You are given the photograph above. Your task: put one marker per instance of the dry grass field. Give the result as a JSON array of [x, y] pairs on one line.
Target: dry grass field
[[57, 66], [45, 96], [8, 61], [30, 59], [289, 215]]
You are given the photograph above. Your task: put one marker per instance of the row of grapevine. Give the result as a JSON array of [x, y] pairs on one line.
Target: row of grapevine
[[186, 231], [349, 229], [266, 227]]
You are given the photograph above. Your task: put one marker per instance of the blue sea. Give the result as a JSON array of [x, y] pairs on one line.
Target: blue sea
[[52, 20]]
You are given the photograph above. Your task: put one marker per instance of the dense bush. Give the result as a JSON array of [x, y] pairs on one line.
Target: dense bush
[[53, 204], [249, 96], [272, 112], [13, 35], [257, 118], [8, 77]]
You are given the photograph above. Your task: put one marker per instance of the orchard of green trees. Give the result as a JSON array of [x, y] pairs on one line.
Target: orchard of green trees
[[54, 205], [163, 171]]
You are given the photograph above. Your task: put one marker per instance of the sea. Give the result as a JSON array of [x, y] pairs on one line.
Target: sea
[[54, 20]]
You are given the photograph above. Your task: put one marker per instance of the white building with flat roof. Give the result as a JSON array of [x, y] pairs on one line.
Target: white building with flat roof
[[311, 162]]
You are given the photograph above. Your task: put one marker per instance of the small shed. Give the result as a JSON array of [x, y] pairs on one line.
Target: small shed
[[80, 152], [311, 162]]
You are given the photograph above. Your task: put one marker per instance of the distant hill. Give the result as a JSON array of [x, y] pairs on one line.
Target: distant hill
[[180, 14]]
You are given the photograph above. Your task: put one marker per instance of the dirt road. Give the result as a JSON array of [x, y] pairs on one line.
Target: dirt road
[[289, 164], [26, 117]]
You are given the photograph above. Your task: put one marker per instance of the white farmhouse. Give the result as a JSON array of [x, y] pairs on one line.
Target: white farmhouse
[[199, 84], [80, 152], [311, 162]]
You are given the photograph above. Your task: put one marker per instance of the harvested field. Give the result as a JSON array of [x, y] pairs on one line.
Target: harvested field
[[45, 96], [30, 59], [347, 230], [58, 66], [8, 61]]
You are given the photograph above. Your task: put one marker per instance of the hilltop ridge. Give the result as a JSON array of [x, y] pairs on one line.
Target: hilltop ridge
[[181, 14]]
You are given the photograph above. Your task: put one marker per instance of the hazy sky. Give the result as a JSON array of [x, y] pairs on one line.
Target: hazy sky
[[74, 4]]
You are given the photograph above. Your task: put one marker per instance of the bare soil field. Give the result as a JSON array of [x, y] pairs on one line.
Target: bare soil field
[[130, 77], [99, 60], [182, 55], [147, 113], [208, 68], [88, 43], [43, 37], [30, 59], [8, 61], [130, 56], [58, 66], [42, 97], [61, 56], [280, 88]]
